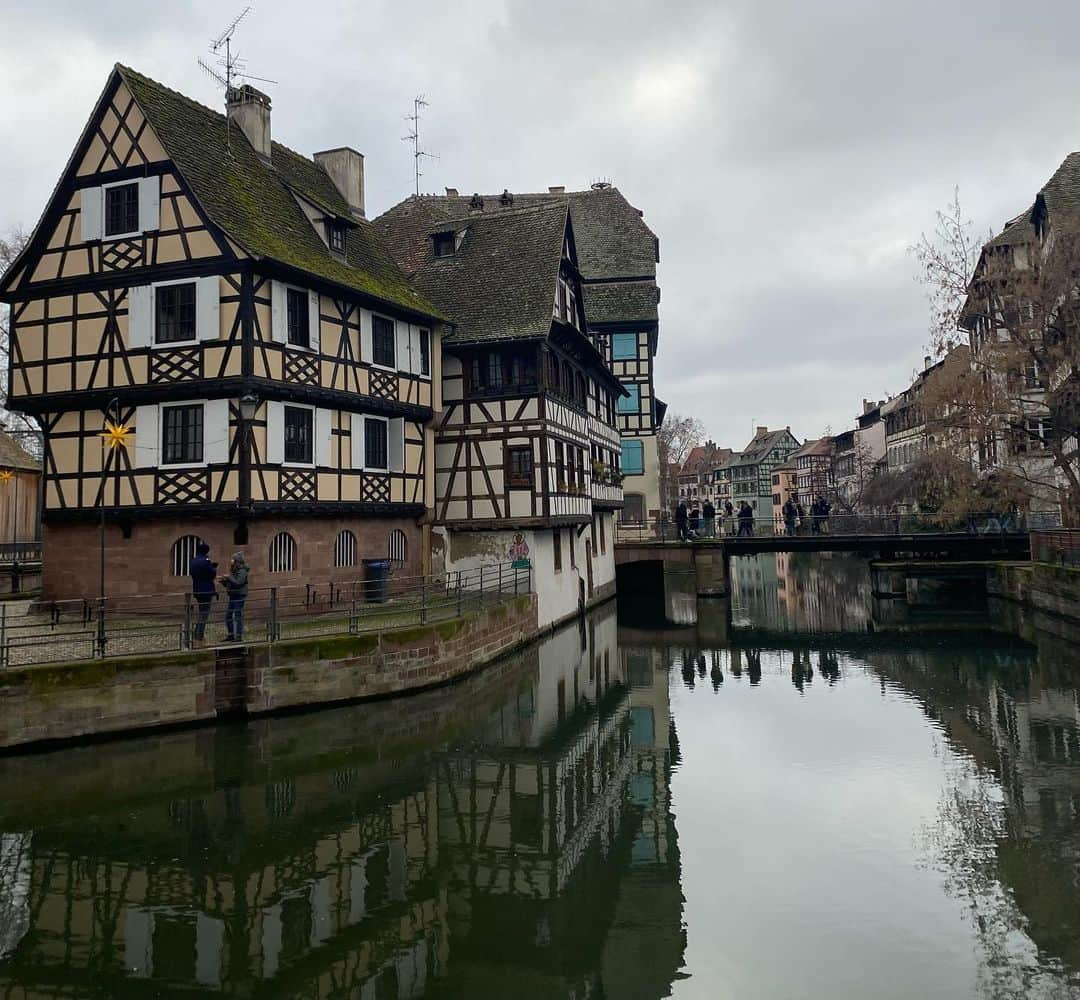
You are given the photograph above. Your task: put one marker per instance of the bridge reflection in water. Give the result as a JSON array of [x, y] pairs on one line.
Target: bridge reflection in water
[[515, 828]]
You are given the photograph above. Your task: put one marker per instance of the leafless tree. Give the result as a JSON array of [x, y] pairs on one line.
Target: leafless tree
[[25, 430], [674, 441]]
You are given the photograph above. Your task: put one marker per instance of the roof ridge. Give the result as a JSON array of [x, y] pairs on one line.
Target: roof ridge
[[504, 214]]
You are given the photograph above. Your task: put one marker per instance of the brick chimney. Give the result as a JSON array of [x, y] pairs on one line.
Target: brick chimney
[[250, 110], [557, 189], [346, 169], [761, 432], [451, 192]]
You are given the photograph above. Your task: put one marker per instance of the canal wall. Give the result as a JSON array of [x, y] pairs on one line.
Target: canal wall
[[1042, 587], [65, 701]]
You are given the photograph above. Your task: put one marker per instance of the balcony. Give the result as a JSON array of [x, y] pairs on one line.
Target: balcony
[[606, 492]]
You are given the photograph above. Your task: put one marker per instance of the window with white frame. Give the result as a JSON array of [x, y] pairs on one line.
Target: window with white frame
[[182, 434], [345, 549], [382, 341], [282, 553], [122, 209], [175, 313]]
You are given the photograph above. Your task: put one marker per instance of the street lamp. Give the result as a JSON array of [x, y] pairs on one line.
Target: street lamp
[[114, 437], [6, 476], [248, 406]]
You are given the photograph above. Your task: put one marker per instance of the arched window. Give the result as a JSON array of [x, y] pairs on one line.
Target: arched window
[[399, 547], [345, 549], [183, 551], [282, 553]]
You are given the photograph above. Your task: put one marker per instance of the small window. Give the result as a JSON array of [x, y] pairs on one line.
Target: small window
[[633, 458], [181, 434], [282, 553], [375, 450], [345, 549], [556, 549], [560, 467], [444, 244], [572, 535], [425, 352], [382, 341], [631, 403], [335, 236], [298, 435], [296, 301], [183, 551], [122, 209], [623, 346], [603, 536], [174, 317], [519, 466], [398, 549]]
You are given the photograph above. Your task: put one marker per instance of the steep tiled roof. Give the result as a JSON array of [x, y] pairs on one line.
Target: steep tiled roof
[[251, 200], [1062, 197], [613, 242], [500, 283], [822, 446], [760, 445]]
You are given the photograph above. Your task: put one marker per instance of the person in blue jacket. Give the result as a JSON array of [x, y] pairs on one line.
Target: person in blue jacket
[[203, 589]]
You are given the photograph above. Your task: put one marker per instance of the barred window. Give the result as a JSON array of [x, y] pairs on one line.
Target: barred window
[[121, 209], [282, 553], [175, 313], [345, 549], [399, 547], [183, 551], [181, 434]]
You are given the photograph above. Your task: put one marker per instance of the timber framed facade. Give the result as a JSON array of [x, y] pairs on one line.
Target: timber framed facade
[[282, 383]]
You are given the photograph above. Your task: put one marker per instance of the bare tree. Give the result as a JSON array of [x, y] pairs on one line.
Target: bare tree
[[23, 429], [674, 441]]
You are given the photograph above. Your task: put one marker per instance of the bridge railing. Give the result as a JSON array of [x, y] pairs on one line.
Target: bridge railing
[[1059, 546], [847, 525]]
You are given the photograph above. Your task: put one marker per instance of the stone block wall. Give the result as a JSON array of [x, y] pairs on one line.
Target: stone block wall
[[89, 698]]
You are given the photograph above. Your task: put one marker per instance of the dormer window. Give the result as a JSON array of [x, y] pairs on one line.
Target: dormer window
[[335, 236], [444, 244]]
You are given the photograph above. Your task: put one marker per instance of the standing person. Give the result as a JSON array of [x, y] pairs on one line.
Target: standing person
[[680, 520], [729, 518], [800, 510], [789, 516], [203, 589], [695, 522], [236, 583], [825, 508], [815, 516], [746, 520], [708, 514]]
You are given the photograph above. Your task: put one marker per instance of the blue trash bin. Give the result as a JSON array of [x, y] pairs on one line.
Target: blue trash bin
[[376, 580]]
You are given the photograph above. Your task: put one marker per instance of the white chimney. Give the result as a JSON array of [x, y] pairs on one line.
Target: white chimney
[[346, 169], [250, 110]]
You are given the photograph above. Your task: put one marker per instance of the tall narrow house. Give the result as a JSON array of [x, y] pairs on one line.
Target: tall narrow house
[[224, 303], [528, 453]]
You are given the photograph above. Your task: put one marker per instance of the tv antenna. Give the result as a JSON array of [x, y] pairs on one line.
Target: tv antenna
[[414, 138], [231, 63]]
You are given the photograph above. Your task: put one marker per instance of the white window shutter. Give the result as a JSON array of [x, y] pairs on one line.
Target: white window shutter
[[275, 432], [150, 203], [313, 320], [366, 350], [147, 443], [395, 444], [91, 204], [356, 440], [216, 431], [401, 335], [140, 316], [323, 437], [208, 299], [278, 312]]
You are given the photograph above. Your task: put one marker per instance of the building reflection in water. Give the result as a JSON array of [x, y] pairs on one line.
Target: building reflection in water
[[515, 828]]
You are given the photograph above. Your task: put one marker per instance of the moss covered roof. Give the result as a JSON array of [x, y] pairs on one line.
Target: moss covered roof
[[253, 201]]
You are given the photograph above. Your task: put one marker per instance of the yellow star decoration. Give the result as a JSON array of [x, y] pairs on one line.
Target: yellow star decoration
[[116, 435], [6, 475]]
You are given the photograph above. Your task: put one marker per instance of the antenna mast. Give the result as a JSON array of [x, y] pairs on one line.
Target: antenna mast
[[233, 66], [414, 138]]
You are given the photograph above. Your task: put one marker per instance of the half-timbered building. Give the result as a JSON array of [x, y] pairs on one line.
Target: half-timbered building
[[527, 450], [226, 300]]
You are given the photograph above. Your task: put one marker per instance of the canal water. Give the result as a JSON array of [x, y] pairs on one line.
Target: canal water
[[805, 793]]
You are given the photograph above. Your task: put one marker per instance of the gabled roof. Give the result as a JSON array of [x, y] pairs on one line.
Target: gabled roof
[[758, 449], [14, 456], [1059, 196], [613, 243], [694, 461], [820, 448], [253, 202], [500, 282]]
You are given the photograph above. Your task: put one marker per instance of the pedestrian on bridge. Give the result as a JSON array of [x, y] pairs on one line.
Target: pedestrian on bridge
[[789, 517], [680, 520], [746, 520], [695, 522], [708, 519]]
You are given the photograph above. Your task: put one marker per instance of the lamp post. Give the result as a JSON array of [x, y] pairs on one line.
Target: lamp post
[[7, 475], [248, 407], [114, 437]]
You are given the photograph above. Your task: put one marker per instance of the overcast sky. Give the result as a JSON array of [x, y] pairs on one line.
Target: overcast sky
[[786, 153]]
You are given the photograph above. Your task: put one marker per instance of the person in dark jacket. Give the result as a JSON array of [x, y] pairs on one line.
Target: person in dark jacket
[[708, 516], [236, 583], [203, 589], [695, 520], [789, 516], [746, 519], [680, 520]]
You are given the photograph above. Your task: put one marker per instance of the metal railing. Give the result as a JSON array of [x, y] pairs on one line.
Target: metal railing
[[845, 525], [22, 552], [156, 623], [1060, 547]]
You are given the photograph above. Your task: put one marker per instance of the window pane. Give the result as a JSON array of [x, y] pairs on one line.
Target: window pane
[[633, 457], [298, 436], [297, 302], [121, 209], [175, 315], [631, 403], [375, 444], [520, 466], [382, 341], [623, 346], [181, 434], [425, 352]]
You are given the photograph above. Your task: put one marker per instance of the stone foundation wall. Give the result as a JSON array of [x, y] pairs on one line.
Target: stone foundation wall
[[71, 700], [142, 562], [1040, 586]]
